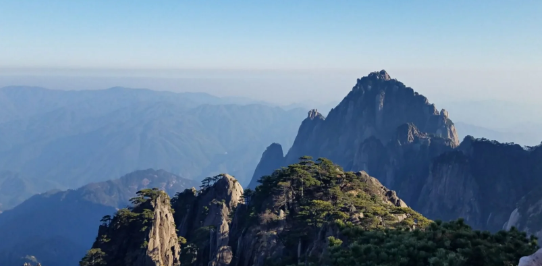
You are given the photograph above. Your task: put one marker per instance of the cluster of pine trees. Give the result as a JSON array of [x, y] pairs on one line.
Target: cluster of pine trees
[[440, 244]]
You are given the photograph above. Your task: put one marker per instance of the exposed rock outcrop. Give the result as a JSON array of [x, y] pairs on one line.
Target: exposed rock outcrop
[[451, 191], [204, 217], [403, 163], [482, 181], [534, 259], [527, 216], [143, 236]]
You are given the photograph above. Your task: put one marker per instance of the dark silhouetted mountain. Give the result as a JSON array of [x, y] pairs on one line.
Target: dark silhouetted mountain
[[65, 139], [366, 123], [58, 227]]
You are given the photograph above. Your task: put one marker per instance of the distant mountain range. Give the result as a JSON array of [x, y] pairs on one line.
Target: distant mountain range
[[65, 139], [57, 227]]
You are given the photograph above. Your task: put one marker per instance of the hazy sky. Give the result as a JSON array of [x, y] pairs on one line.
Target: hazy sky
[[282, 51]]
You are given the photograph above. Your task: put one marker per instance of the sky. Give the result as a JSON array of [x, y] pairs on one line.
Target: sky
[[280, 51]]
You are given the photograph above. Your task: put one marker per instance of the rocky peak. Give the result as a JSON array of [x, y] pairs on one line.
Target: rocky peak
[[444, 113], [208, 212], [143, 235], [387, 195], [313, 114], [380, 75], [376, 107]]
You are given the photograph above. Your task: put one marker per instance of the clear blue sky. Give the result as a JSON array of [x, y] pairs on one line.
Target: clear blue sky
[[283, 51], [271, 34]]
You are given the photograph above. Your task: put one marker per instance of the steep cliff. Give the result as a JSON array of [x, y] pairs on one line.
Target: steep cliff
[[527, 216], [144, 235], [403, 162], [204, 219], [482, 181]]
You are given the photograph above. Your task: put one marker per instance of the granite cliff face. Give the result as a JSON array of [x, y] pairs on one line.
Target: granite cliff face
[[481, 181], [144, 235], [402, 163], [204, 219], [527, 216]]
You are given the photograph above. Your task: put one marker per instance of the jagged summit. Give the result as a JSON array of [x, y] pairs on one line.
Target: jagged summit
[[375, 107], [376, 127], [382, 74], [313, 113]]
